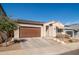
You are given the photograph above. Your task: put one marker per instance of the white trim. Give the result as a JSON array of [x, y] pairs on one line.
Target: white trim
[[30, 25]]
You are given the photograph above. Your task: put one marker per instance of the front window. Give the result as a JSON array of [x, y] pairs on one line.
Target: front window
[[59, 30]]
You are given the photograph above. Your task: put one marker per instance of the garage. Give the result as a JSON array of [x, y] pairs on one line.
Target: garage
[[26, 32]]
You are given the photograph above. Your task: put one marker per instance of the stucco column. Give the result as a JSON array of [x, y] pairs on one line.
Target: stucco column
[[73, 34], [16, 33], [54, 31], [50, 31], [44, 31]]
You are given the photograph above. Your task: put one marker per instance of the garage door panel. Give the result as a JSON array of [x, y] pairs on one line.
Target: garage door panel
[[30, 32]]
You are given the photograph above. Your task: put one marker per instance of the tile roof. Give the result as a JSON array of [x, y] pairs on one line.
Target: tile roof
[[29, 22]]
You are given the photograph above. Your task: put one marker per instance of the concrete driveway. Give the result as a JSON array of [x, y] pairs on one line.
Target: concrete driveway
[[42, 47]]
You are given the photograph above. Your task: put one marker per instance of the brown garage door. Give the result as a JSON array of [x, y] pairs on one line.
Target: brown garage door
[[29, 32]]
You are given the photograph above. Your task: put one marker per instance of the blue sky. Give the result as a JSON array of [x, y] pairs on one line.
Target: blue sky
[[65, 13]]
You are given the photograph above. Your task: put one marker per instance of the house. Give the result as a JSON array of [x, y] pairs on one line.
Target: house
[[35, 29], [72, 30]]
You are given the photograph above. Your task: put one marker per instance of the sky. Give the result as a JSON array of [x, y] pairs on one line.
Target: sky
[[62, 12]]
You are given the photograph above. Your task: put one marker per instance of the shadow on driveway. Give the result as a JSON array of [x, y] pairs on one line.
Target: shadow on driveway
[[74, 52]]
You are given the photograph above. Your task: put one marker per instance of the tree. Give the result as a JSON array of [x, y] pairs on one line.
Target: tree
[[6, 26]]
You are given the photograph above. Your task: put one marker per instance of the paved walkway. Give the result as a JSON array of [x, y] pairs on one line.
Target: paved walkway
[[42, 47]]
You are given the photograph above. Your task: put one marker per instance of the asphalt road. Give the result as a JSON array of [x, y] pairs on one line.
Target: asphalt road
[[74, 52]]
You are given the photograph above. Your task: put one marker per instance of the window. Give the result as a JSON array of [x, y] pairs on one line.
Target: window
[[50, 24], [59, 30]]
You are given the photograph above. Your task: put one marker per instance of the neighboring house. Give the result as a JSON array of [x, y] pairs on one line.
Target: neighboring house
[[72, 30], [34, 29], [2, 12]]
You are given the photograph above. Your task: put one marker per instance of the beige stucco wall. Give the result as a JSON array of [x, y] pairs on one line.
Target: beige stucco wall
[[52, 29], [16, 33]]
